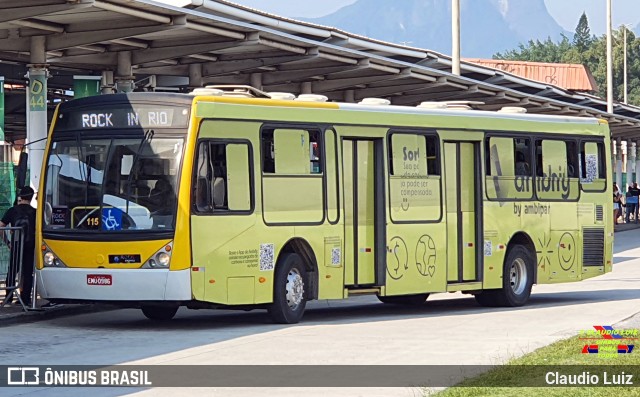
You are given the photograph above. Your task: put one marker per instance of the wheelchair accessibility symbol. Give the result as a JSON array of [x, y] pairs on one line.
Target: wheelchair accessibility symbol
[[111, 219]]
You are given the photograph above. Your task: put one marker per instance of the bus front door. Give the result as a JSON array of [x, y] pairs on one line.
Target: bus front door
[[363, 184], [463, 199]]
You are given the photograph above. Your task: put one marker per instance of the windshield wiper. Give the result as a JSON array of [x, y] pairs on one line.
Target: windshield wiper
[[148, 136]]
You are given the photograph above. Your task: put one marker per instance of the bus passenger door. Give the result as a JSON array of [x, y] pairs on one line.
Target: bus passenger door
[[463, 199], [363, 184]]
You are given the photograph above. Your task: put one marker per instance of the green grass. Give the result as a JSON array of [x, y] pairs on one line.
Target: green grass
[[563, 353]]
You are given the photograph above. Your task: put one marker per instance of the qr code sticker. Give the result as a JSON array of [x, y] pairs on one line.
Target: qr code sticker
[[336, 254], [591, 161], [488, 248], [266, 257]]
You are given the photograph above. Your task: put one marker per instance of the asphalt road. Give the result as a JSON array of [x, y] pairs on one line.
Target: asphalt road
[[449, 329]]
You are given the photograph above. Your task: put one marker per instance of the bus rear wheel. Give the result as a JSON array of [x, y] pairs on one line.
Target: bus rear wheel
[[407, 300], [289, 299], [517, 281], [159, 313]]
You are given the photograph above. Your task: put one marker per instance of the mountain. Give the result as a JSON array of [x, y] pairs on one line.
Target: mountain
[[487, 26]]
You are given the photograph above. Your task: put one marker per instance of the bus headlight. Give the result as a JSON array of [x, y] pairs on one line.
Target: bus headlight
[[163, 259], [49, 259]]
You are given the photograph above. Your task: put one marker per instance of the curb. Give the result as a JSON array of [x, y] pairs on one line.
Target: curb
[[49, 314]]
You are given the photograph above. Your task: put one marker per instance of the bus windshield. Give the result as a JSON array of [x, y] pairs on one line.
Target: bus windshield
[[112, 184]]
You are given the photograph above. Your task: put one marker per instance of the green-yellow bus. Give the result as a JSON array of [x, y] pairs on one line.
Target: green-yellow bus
[[223, 200]]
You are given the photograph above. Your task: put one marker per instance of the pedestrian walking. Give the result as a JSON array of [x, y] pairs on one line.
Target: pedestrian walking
[[22, 215]]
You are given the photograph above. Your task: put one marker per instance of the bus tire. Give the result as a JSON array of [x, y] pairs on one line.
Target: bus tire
[[517, 280], [159, 313], [290, 281], [407, 300]]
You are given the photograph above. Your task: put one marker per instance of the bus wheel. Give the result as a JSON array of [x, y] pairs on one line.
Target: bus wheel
[[288, 290], [517, 278], [408, 300], [159, 313]]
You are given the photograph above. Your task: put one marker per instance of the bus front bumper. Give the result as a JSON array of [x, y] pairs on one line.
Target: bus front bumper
[[112, 285]]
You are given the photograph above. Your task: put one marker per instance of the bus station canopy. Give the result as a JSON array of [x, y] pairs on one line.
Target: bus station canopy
[[217, 42]]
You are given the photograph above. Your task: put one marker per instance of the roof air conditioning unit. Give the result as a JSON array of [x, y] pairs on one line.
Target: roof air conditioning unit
[[374, 102]]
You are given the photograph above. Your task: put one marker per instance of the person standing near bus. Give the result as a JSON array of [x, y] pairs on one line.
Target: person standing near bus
[[616, 203], [632, 204], [636, 193], [22, 215]]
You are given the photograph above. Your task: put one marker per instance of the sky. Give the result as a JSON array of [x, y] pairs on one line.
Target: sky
[[565, 12]]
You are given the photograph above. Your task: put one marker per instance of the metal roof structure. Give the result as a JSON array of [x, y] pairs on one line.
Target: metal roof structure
[[218, 42], [570, 76]]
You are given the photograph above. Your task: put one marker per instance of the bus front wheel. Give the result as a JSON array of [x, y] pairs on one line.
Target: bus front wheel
[[289, 299], [517, 281], [159, 313]]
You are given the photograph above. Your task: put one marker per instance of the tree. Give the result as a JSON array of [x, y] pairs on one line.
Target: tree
[[582, 38], [591, 52], [538, 51]]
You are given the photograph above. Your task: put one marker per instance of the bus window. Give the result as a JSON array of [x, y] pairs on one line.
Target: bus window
[[500, 154], [223, 177], [433, 161], [592, 166], [332, 176], [408, 155], [291, 151], [508, 168], [554, 157], [292, 157], [203, 198], [556, 162], [414, 182], [238, 177], [522, 156]]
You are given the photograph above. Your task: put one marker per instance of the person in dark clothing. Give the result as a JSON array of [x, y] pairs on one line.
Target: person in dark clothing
[[22, 215], [632, 203], [636, 193]]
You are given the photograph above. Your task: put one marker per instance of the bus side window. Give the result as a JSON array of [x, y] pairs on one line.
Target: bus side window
[[500, 154], [203, 199], [522, 147], [223, 177], [553, 155], [291, 151], [592, 166], [572, 159], [538, 154]]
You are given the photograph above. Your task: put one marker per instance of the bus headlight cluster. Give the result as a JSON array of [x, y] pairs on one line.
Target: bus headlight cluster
[[51, 260], [161, 259]]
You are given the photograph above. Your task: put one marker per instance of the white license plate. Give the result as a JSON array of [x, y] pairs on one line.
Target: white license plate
[[99, 279]]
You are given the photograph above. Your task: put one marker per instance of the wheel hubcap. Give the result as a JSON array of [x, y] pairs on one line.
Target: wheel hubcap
[[518, 276], [295, 289]]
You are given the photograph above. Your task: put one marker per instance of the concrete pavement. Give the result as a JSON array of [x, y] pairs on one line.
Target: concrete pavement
[[13, 314]]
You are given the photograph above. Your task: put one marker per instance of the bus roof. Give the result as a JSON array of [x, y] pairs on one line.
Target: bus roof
[[380, 109]]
